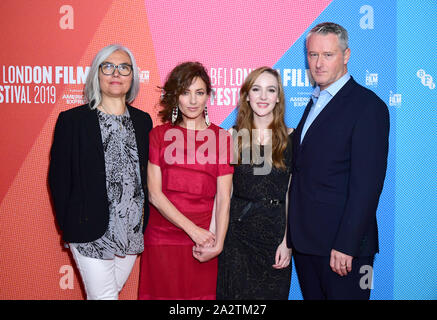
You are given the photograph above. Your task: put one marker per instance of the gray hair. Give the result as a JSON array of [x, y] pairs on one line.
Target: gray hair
[[325, 28], [92, 85]]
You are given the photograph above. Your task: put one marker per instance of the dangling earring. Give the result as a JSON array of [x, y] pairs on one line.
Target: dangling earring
[[174, 114], [206, 117]]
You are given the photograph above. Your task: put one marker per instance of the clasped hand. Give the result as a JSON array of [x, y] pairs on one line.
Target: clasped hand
[[206, 253], [205, 247], [340, 263]]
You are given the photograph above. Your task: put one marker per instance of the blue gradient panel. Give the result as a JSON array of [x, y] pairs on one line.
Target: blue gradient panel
[[416, 227], [230, 120]]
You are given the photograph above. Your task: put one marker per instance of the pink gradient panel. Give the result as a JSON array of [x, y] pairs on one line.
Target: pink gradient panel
[[228, 35]]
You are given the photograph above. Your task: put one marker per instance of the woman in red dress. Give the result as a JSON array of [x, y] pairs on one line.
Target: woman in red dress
[[189, 183]]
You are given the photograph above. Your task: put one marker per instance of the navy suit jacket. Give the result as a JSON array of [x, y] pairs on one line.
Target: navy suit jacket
[[77, 176], [338, 175]]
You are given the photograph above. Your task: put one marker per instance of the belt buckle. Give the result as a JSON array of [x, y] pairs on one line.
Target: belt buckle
[[274, 202]]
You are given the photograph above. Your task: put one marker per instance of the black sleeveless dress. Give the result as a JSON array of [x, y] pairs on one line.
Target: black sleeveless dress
[[256, 228]]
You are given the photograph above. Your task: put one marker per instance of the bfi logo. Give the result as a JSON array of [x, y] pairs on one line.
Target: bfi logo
[[144, 75], [426, 79], [371, 79]]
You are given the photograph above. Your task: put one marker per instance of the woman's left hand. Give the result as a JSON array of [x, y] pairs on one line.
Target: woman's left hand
[[282, 257]]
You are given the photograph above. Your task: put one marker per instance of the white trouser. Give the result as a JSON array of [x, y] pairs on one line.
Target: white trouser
[[103, 279]]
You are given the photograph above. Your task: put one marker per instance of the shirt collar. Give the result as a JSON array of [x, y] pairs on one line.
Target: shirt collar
[[333, 88]]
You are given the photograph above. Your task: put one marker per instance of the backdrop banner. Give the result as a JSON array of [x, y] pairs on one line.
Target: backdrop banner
[[47, 49]]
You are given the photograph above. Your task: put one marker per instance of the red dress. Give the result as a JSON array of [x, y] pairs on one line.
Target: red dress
[[190, 163]]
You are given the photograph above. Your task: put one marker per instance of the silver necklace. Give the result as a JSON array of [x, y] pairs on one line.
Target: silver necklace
[[118, 120]]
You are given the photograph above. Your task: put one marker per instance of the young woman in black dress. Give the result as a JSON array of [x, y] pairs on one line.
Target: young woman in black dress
[[255, 262]]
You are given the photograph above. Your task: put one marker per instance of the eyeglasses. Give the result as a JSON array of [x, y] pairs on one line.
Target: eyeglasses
[[108, 68]]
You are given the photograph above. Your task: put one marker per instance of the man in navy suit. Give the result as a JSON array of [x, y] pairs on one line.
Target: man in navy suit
[[340, 152]]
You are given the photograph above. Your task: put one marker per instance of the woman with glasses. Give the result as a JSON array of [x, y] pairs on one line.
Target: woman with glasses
[[255, 262], [98, 174]]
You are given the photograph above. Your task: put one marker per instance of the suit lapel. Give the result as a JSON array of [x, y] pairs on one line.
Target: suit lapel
[[302, 121], [93, 128], [336, 103]]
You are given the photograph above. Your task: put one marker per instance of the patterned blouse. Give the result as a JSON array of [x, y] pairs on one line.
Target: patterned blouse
[[125, 195]]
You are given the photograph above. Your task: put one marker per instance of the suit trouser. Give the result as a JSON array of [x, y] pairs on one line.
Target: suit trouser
[[318, 281], [103, 279]]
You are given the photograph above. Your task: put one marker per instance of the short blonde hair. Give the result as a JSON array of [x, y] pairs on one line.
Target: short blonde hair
[[325, 28]]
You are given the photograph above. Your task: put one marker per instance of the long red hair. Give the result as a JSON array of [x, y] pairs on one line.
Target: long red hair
[[278, 127]]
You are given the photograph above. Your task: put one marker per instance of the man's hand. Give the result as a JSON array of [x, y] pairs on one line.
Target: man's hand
[[340, 263]]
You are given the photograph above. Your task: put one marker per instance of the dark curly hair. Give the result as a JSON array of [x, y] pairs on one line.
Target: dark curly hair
[[179, 80]]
